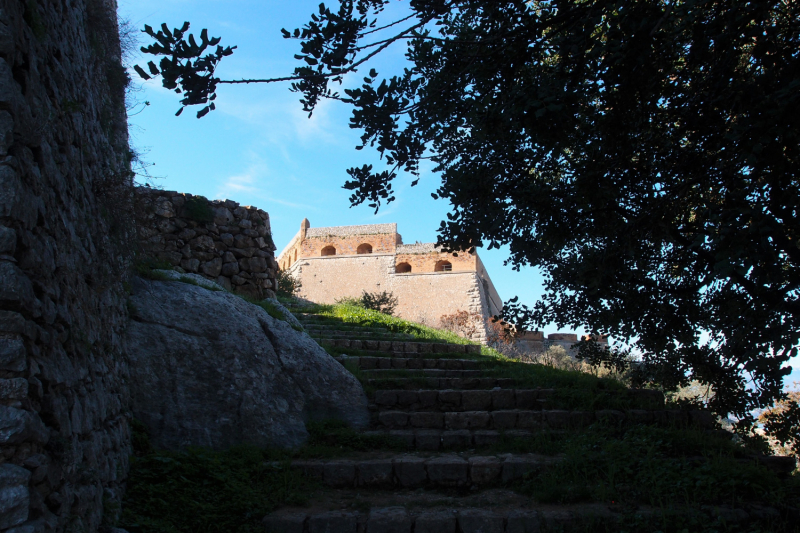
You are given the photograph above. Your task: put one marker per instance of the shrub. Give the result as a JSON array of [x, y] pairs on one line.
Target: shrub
[[383, 302], [286, 284], [461, 323], [197, 209]]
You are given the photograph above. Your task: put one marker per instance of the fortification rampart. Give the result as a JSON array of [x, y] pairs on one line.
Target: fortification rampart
[[66, 230], [339, 262], [221, 240]]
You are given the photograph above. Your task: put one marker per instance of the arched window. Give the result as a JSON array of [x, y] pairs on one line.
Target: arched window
[[364, 249], [402, 268], [328, 250], [295, 255], [443, 266]]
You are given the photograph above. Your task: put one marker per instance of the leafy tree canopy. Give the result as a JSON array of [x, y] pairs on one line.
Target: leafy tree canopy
[[643, 154]]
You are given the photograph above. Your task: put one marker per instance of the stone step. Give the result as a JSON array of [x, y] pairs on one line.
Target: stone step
[[403, 346], [537, 420], [432, 440], [451, 519], [404, 363], [430, 372], [448, 400], [410, 471], [402, 383], [368, 335], [310, 326]]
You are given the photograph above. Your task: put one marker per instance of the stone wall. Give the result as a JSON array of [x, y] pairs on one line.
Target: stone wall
[[65, 231], [221, 240]]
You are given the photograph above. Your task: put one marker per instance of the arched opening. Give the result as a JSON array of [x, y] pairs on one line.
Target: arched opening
[[364, 249], [295, 255], [328, 250], [402, 268], [443, 266]]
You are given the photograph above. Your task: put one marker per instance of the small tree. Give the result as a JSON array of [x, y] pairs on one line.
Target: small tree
[[383, 302], [287, 285], [461, 323]]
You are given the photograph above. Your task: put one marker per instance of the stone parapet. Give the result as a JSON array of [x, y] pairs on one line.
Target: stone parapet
[[220, 240], [346, 231]]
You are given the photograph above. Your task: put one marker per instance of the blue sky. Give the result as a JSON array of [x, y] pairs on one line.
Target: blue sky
[[260, 148]]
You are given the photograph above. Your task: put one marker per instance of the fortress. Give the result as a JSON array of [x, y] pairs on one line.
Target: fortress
[[338, 262]]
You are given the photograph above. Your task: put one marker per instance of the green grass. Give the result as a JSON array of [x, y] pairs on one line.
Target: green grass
[[351, 314], [204, 491]]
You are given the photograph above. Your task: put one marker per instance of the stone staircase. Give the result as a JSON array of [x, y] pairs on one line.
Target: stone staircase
[[449, 412]]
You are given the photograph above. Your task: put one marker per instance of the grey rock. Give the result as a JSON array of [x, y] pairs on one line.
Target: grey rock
[[523, 522], [13, 355], [480, 521], [333, 522], [209, 369], [389, 520], [212, 268], [284, 523], [448, 470], [13, 389], [8, 238], [11, 322], [287, 315], [197, 278], [435, 522], [14, 495]]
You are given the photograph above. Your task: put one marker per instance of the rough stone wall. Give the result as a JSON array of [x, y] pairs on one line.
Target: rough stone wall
[[221, 240], [65, 229]]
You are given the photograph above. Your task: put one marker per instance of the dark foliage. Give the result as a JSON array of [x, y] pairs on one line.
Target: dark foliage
[[197, 209], [287, 285], [382, 302]]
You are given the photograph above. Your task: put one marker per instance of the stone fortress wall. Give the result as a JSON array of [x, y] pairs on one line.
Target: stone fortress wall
[[65, 241], [337, 262], [221, 240]]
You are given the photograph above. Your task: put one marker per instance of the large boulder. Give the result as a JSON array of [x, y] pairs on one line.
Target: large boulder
[[210, 369]]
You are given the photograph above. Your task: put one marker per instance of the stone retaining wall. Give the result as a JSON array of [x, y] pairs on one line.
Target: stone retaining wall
[[65, 235], [221, 240]]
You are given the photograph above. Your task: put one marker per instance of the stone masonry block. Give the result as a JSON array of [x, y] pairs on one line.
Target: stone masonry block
[[476, 400], [398, 362], [455, 421], [517, 467], [14, 495], [448, 471], [371, 345], [460, 438], [393, 419], [415, 364], [451, 364], [529, 419], [355, 344], [384, 363], [410, 471], [339, 473], [389, 520], [473, 349], [386, 398], [435, 522], [480, 521], [556, 419], [503, 399], [342, 343], [333, 522], [503, 420], [428, 439], [450, 398], [430, 363], [427, 420], [411, 347], [405, 436], [477, 419], [427, 399], [398, 346], [368, 363], [440, 348], [285, 523], [523, 522], [484, 470], [377, 472], [407, 398], [485, 437], [466, 364], [455, 348], [385, 346], [425, 347]]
